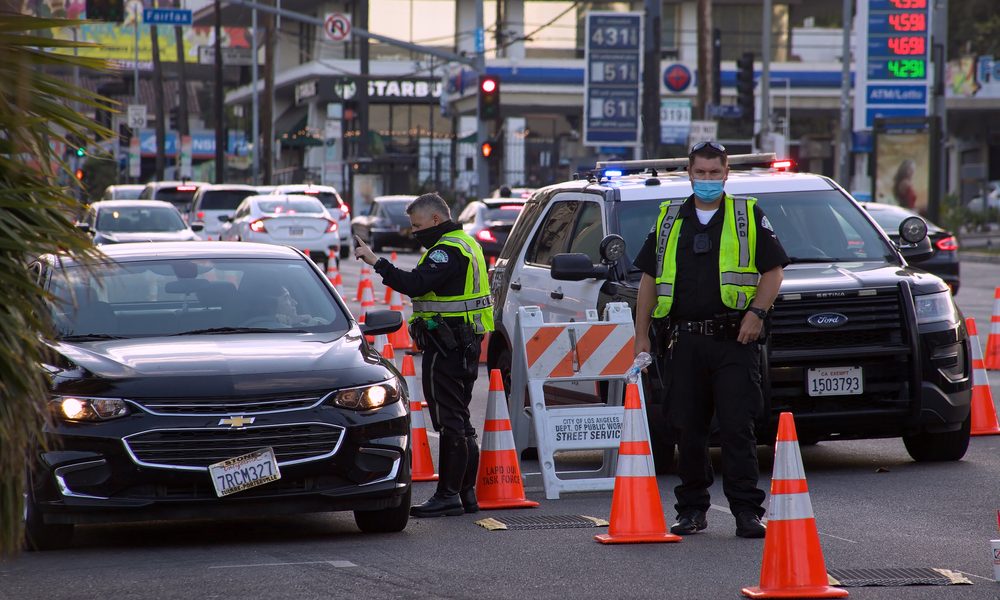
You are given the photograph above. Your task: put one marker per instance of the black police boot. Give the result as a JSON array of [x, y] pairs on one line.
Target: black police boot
[[451, 472], [468, 493], [748, 525]]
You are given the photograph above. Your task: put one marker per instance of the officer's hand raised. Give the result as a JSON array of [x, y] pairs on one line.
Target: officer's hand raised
[[363, 252]]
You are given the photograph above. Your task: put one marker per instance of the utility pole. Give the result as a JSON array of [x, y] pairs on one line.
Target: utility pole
[[267, 116], [939, 56], [182, 94], [765, 74], [220, 133], [651, 82], [482, 168], [161, 129], [843, 174], [255, 112], [362, 85], [704, 56]]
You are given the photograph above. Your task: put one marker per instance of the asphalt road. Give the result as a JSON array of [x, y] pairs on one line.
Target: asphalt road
[[874, 507]]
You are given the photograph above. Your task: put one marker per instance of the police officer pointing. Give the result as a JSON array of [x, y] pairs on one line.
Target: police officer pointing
[[711, 267], [451, 313]]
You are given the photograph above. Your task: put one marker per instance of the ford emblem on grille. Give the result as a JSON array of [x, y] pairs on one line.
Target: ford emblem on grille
[[827, 320]]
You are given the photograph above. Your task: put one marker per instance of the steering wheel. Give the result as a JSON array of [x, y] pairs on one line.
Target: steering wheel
[[264, 321]]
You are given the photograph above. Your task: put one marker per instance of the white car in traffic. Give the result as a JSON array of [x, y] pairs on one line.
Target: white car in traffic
[[288, 220]]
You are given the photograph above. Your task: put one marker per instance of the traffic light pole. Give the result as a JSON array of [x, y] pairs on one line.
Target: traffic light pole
[[482, 167], [765, 74]]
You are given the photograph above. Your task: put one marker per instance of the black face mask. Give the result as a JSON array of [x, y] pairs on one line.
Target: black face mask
[[427, 237]]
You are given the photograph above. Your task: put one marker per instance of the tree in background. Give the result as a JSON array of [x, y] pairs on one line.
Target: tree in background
[[973, 28], [37, 113]]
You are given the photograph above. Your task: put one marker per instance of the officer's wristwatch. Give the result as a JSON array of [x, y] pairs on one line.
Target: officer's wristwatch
[[760, 312]]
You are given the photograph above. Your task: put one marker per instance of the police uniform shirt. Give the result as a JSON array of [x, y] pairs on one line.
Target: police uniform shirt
[[443, 271], [697, 294]]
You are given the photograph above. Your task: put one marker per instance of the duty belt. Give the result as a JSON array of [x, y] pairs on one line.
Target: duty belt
[[708, 327]]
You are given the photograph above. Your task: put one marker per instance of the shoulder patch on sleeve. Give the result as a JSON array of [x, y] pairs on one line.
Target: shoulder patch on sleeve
[[766, 224], [438, 256]]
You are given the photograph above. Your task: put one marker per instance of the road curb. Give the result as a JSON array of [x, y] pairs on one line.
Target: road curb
[[979, 257]]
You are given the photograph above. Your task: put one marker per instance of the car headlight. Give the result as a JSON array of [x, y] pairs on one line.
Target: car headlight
[[933, 308], [78, 408], [368, 397]]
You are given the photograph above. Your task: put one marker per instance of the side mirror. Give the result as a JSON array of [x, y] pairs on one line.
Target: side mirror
[[913, 243], [197, 226], [378, 322], [225, 218], [576, 266]]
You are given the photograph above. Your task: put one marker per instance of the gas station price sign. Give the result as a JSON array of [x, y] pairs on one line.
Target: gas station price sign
[[898, 40]]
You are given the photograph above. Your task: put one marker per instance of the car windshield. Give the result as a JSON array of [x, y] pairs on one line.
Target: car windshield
[[192, 297], [178, 196], [504, 213], [813, 226], [224, 199], [291, 206], [125, 193], [128, 219], [329, 199], [395, 208]]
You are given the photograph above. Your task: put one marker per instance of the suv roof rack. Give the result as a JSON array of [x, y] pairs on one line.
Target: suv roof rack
[[759, 159]]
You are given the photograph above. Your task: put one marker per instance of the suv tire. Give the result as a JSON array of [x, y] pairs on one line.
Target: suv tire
[[39, 535], [935, 447], [386, 520]]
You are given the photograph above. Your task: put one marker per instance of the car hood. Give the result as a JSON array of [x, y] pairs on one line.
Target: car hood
[[852, 276], [147, 236], [225, 365]]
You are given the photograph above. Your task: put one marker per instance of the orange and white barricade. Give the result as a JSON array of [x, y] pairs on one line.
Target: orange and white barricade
[[589, 351]]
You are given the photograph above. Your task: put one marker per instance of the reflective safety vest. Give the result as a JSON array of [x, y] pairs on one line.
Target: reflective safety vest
[[738, 274], [474, 304]]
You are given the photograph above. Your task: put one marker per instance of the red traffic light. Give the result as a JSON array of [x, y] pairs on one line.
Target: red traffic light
[[488, 85], [79, 174], [486, 149]]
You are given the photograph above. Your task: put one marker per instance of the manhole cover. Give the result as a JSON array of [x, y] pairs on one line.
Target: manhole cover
[[540, 522], [895, 577]]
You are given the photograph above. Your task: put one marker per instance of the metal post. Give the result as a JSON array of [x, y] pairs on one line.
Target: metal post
[[651, 81], [843, 174], [220, 131], [765, 72], [255, 113], [704, 56], [482, 169], [135, 87]]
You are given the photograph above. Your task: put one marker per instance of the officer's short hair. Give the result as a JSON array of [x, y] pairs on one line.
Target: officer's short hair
[[430, 204], [709, 150]]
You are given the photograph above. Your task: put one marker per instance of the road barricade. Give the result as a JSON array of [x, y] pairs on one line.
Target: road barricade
[[594, 350]]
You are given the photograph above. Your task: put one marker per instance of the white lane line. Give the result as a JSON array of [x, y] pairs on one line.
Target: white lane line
[[332, 563], [976, 576], [724, 509]]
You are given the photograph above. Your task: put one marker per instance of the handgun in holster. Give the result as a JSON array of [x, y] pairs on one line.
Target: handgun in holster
[[443, 333]]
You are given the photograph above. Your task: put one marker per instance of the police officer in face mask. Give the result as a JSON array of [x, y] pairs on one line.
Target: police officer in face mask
[[451, 313], [711, 271]]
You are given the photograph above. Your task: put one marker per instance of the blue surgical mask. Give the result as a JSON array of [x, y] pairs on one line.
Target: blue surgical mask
[[707, 190]]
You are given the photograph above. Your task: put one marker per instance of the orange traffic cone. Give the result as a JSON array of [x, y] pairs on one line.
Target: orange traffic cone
[[793, 565], [401, 337], [422, 466], [992, 359], [482, 348], [389, 354], [498, 482], [333, 273], [365, 282], [636, 511], [984, 413], [387, 299]]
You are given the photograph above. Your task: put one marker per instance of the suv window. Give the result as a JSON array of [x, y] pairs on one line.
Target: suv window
[[589, 232], [553, 235], [223, 199]]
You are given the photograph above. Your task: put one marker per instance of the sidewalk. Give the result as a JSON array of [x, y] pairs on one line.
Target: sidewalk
[[979, 257]]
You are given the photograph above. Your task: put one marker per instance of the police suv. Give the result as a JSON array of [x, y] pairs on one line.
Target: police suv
[[862, 345]]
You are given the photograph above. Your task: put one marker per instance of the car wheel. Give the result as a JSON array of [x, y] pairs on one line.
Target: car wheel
[[939, 446], [39, 535], [387, 520]]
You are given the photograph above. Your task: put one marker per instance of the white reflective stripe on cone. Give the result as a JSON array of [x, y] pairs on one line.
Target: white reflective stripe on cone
[[789, 507], [633, 431], [494, 441], [414, 387], [417, 416], [496, 408], [788, 461], [977, 349], [995, 328], [634, 465], [979, 377]]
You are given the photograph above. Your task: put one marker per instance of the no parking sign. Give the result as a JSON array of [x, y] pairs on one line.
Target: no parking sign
[[337, 27]]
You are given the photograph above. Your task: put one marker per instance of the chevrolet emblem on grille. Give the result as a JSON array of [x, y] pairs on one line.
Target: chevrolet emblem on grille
[[237, 421]]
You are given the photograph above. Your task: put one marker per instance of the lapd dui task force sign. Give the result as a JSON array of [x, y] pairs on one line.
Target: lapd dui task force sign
[[612, 85]]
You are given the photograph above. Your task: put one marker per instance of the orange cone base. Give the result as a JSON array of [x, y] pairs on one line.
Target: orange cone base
[[984, 417], [433, 477], [649, 538], [498, 504], [819, 591]]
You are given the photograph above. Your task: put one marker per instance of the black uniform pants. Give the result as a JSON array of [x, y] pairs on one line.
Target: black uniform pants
[[720, 377], [448, 378]]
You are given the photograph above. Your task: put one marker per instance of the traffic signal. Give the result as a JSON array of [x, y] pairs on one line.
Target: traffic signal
[[744, 86], [174, 118], [488, 149], [81, 151], [489, 97], [106, 10], [78, 174]]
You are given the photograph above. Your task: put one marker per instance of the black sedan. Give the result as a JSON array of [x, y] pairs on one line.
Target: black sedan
[[213, 379], [386, 223], [943, 263], [490, 222], [121, 221]]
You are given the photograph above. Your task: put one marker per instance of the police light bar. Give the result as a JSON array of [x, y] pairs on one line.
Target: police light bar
[[187, 188], [764, 159], [613, 173], [783, 165]]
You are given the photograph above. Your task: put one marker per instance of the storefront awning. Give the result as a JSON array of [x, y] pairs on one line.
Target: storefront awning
[[293, 129]]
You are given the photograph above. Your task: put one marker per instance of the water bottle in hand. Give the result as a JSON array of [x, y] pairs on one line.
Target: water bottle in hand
[[642, 360]]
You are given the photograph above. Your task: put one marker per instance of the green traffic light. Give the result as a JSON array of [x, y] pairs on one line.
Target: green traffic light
[[81, 151]]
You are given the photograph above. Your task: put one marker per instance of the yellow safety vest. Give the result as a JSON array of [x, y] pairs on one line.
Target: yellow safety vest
[[738, 274], [474, 304]]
